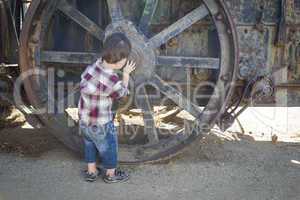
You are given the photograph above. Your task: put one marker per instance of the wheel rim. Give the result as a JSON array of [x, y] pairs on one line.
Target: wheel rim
[[34, 55]]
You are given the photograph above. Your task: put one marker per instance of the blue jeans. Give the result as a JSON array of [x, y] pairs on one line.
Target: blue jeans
[[103, 138]]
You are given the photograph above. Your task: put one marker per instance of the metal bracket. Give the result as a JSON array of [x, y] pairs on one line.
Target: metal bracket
[[257, 88]]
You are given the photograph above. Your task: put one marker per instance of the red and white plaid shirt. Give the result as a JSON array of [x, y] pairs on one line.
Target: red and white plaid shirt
[[99, 86]]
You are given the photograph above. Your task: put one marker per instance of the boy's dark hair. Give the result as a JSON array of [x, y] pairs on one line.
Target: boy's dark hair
[[116, 47]]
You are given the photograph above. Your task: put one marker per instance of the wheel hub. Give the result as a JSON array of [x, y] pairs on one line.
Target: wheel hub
[[143, 55], [39, 50]]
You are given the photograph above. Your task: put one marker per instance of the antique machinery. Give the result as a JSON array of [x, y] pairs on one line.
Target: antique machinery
[[208, 58]]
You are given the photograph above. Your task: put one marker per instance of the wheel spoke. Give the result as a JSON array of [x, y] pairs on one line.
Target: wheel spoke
[[149, 10], [178, 27], [189, 62], [132, 151], [149, 123], [81, 19], [176, 96], [68, 57], [115, 11]]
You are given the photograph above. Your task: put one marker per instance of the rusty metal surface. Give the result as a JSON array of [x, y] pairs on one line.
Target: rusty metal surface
[[8, 35], [41, 49], [246, 12], [268, 36]]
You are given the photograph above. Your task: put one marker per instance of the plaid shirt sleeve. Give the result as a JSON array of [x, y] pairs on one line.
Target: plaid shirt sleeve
[[88, 81], [118, 90], [94, 81]]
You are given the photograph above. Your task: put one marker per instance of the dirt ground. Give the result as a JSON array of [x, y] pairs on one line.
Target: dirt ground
[[34, 165]]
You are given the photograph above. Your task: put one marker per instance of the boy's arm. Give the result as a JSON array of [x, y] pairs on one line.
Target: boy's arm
[[106, 86], [120, 88]]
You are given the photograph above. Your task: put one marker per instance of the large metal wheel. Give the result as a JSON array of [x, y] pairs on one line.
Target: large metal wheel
[[48, 45]]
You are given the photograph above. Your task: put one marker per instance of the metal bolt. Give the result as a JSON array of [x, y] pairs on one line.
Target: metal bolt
[[244, 71], [173, 42], [60, 73]]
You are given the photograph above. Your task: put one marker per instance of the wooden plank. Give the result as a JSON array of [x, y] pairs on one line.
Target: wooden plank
[[148, 13], [68, 57], [178, 27], [81, 19], [189, 62]]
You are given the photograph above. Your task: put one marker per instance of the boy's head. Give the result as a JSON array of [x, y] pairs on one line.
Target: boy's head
[[116, 50]]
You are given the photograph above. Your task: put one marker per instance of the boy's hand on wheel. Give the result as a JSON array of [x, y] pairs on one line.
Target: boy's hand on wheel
[[129, 67]]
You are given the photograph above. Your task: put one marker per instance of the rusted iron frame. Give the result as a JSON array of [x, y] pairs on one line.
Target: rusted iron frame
[[18, 15], [229, 49], [148, 13], [202, 116], [68, 57], [176, 96], [4, 27], [9, 16], [81, 19], [178, 27], [246, 91], [170, 61], [26, 65], [115, 11], [281, 35], [248, 87], [189, 62], [207, 118], [288, 85], [149, 123], [236, 104], [8, 26]]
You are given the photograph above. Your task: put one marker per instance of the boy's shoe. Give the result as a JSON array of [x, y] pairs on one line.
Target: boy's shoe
[[120, 176], [91, 177]]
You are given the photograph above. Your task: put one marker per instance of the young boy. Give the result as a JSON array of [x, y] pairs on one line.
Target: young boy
[[99, 87]]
